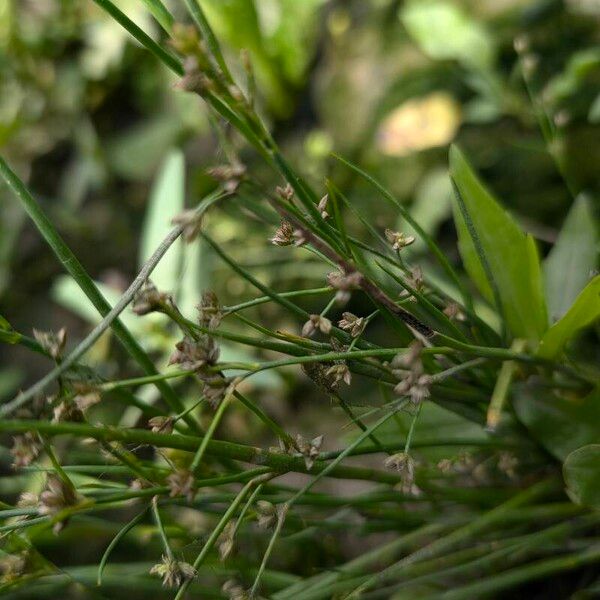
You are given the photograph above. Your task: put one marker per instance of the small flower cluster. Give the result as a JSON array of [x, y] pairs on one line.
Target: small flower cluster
[[309, 449], [314, 323], [408, 367], [225, 542], [181, 483], [57, 496], [173, 572], [234, 591], [352, 324], [191, 222], [209, 310], [25, 449], [398, 240], [195, 355], [230, 176], [344, 284], [286, 235], [322, 206], [405, 465], [416, 281], [266, 513], [149, 299], [53, 343]]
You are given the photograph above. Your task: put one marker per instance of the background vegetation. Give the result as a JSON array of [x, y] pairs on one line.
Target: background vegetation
[[113, 149]]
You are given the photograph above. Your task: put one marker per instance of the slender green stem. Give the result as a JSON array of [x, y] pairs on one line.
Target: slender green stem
[[161, 528], [210, 542], [122, 533]]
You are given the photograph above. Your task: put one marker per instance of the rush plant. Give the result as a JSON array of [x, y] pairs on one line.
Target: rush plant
[[491, 346]]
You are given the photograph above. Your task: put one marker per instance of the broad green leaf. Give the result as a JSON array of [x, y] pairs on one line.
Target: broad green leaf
[[559, 423], [166, 201], [446, 31], [585, 310], [501, 260], [574, 256], [581, 471]]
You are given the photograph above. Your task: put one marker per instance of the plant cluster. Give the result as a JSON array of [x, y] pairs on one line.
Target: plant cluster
[[215, 517]]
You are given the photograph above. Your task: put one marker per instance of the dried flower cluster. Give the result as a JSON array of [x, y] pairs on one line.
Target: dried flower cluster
[[149, 299], [316, 323], [53, 343], [173, 572], [344, 284], [408, 367], [352, 324], [405, 465], [309, 449], [398, 240]]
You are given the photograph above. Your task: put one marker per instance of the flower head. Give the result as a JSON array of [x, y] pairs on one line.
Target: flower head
[[339, 372], [267, 514], [309, 449], [229, 175], [405, 465], [25, 449], [52, 342], [234, 591], [161, 424], [193, 355], [322, 206], [351, 323], [191, 222], [149, 299], [284, 234], [57, 496], [344, 284], [314, 323], [181, 483], [209, 310], [398, 239], [173, 572], [286, 192]]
